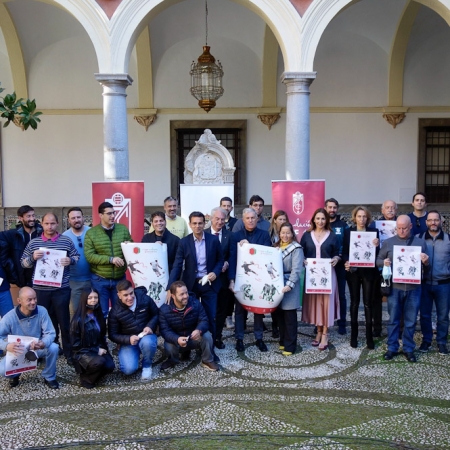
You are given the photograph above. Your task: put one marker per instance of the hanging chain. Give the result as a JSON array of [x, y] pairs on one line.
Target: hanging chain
[[206, 21]]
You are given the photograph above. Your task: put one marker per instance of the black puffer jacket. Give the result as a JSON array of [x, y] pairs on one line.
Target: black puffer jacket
[[14, 242], [124, 323], [174, 323]]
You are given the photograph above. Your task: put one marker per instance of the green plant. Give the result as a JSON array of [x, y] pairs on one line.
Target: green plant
[[24, 110]]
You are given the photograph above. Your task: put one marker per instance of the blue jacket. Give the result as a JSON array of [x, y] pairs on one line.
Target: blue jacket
[[174, 323], [225, 246], [438, 250], [186, 254]]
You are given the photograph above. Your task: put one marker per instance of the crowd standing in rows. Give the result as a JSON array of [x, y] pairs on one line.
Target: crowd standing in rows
[[196, 313]]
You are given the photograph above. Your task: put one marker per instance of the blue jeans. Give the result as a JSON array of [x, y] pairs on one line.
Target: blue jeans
[[107, 291], [208, 298], [6, 303], [50, 354], [129, 354], [406, 303], [440, 295], [205, 343]]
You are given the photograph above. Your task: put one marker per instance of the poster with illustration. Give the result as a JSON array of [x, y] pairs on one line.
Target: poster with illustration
[[362, 252], [49, 271], [318, 276], [407, 265], [148, 267], [259, 278], [24, 362], [386, 229]]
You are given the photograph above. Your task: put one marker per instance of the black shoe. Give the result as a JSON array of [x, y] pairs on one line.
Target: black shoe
[[353, 342], [370, 344], [342, 330], [52, 384], [410, 357], [424, 347], [14, 381], [69, 360], [184, 356], [389, 355], [240, 345], [260, 344], [86, 385], [376, 333], [276, 334], [443, 350], [219, 344], [168, 364]]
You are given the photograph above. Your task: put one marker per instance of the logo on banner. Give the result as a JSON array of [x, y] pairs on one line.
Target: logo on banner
[[297, 203], [122, 207]]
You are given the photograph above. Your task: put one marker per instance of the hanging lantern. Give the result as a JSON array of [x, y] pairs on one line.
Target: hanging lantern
[[206, 80], [206, 75]]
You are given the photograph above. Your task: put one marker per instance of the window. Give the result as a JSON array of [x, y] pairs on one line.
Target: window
[[232, 135], [434, 159]]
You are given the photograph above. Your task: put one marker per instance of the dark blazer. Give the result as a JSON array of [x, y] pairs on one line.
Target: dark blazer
[[186, 254], [167, 238], [225, 245]]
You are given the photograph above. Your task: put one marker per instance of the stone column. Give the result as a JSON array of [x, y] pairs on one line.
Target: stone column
[[115, 125], [297, 124]]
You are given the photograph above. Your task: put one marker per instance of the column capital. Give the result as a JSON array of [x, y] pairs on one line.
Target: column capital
[[298, 81], [112, 78]]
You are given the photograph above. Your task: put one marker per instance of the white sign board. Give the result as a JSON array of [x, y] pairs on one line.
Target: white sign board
[[407, 265], [318, 276], [148, 267], [362, 251], [19, 364], [48, 270], [386, 229], [259, 278]]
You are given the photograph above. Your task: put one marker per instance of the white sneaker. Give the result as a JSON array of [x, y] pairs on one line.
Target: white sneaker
[[229, 322], [146, 373]]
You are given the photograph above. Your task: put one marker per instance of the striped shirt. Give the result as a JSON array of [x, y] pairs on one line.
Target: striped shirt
[[61, 242]]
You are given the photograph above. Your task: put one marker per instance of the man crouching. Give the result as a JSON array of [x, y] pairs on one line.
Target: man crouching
[[131, 323], [184, 326]]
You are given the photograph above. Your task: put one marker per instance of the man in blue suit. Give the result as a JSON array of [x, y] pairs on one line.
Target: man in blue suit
[[203, 262], [225, 299]]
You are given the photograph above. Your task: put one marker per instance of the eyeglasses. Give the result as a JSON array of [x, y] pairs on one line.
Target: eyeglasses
[[80, 244], [112, 213]]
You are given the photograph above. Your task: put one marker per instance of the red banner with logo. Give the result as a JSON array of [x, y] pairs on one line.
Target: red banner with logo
[[127, 198], [299, 199]]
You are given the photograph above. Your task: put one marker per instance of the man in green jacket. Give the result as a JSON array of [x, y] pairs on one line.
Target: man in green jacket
[[103, 251]]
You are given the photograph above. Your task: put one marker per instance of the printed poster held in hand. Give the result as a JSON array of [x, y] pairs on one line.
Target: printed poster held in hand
[[26, 361], [318, 276], [148, 267], [259, 278], [362, 251], [407, 265], [49, 271]]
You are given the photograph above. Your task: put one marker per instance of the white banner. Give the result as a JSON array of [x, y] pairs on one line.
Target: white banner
[[19, 364], [407, 265], [318, 276], [48, 270], [362, 251], [386, 229], [259, 278], [148, 266]]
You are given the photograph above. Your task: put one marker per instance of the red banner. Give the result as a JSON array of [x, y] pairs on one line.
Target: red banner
[[127, 197], [299, 199]]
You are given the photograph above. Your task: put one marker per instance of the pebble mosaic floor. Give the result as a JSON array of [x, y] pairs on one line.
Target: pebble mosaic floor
[[339, 399]]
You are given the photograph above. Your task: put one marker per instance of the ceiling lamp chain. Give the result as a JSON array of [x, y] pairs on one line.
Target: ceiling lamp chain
[[206, 75]]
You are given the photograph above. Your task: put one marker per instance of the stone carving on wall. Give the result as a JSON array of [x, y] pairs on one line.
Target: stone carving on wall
[[209, 162]]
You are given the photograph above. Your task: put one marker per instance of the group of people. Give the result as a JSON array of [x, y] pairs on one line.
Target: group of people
[[95, 300]]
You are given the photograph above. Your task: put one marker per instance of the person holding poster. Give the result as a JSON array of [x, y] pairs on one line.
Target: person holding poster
[[28, 319], [292, 267], [250, 234], [91, 357], [358, 277], [161, 234], [321, 309], [404, 299]]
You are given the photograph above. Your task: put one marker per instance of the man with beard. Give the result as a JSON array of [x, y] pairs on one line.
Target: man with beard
[[161, 234], [14, 243], [338, 226], [80, 274]]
